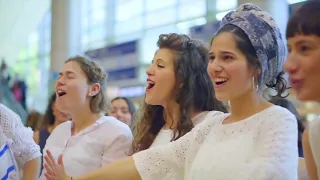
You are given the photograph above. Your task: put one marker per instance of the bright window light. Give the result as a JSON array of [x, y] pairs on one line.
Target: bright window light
[[219, 16], [294, 1]]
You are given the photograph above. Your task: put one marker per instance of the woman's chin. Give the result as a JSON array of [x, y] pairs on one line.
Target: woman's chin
[[150, 101], [222, 98]]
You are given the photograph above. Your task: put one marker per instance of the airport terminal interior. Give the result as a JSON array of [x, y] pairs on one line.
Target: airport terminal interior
[[120, 35]]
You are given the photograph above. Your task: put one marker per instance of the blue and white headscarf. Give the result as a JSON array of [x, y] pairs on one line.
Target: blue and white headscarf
[[265, 36]]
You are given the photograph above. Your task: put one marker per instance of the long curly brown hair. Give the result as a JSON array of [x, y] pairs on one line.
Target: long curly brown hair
[[196, 94]]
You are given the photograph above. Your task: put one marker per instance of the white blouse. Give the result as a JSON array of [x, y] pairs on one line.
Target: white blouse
[[103, 142], [15, 139], [261, 147], [314, 135], [165, 135]]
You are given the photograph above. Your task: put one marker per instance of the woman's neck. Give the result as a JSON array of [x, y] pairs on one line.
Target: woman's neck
[[82, 119], [172, 115], [247, 105]]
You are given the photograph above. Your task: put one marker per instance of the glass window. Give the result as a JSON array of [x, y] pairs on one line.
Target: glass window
[[98, 33], [220, 15], [128, 37], [23, 54], [33, 38], [295, 1], [86, 6], [97, 44], [223, 5], [98, 17], [47, 47], [47, 34], [126, 9], [184, 27], [129, 26], [192, 10], [33, 50], [187, 1], [85, 39], [98, 4], [30, 58], [85, 23], [152, 5], [20, 67], [160, 17], [148, 44]]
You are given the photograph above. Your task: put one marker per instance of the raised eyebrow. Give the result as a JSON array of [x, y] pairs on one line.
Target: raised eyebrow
[[227, 52]]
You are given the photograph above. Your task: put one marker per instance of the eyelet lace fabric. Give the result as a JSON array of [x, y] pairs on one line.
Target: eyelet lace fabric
[[19, 138], [261, 147]]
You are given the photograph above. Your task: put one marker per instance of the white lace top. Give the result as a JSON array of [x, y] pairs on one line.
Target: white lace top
[[19, 138], [165, 135], [261, 147], [107, 140]]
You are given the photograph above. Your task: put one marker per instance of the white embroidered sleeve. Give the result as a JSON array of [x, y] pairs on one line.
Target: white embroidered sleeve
[[169, 161], [20, 138], [276, 155]]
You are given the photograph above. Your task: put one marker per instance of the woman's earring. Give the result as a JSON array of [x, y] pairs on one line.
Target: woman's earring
[[255, 84]]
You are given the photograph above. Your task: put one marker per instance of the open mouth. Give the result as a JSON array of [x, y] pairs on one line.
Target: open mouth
[[220, 81], [150, 84], [61, 93]]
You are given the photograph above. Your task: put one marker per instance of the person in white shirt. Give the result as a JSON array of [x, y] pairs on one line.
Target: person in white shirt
[[18, 151], [179, 93], [257, 140], [90, 140], [303, 65]]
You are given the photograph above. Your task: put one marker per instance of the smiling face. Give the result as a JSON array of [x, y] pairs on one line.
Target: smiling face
[[303, 65], [72, 88], [229, 68], [120, 110], [161, 78]]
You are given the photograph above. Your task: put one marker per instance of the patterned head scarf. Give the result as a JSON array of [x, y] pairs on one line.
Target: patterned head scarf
[[264, 35]]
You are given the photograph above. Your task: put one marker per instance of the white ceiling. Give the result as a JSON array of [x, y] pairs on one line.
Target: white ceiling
[[18, 18]]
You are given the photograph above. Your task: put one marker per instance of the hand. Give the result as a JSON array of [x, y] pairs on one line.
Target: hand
[[54, 171]]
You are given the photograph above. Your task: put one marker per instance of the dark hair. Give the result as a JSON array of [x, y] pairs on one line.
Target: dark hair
[[279, 84], [33, 120], [94, 74], [49, 119], [197, 93], [132, 108], [285, 103], [304, 20]]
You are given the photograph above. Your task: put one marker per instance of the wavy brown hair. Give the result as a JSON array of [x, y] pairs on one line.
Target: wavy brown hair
[[191, 59]]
